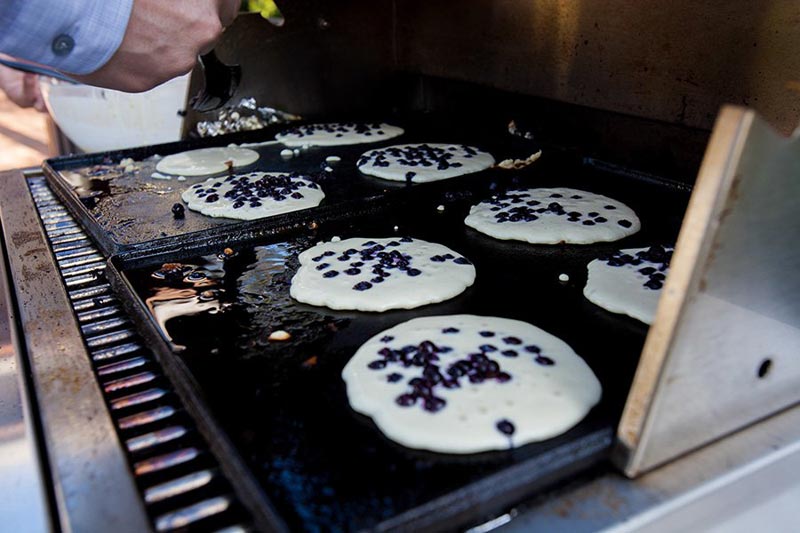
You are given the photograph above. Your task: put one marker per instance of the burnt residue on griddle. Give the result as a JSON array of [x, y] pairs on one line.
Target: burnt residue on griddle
[[244, 293]]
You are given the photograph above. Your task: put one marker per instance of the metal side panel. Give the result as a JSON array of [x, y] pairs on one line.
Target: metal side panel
[[722, 352], [93, 486], [24, 503]]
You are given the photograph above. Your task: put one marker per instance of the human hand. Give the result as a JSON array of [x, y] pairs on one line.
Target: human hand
[[22, 88], [162, 41]]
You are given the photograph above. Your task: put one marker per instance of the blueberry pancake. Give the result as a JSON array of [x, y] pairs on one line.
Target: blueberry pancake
[[629, 281], [420, 163], [380, 274], [553, 216], [467, 384], [253, 195], [337, 134]]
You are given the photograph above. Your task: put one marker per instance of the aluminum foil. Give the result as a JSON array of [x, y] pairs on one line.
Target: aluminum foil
[[243, 116]]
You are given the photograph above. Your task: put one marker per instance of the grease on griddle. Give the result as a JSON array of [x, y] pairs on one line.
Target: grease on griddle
[[227, 253], [171, 271]]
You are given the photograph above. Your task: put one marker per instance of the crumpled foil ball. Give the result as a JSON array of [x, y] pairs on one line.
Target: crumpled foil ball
[[243, 116]]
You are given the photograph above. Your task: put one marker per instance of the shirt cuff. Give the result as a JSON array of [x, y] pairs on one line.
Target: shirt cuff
[[77, 37]]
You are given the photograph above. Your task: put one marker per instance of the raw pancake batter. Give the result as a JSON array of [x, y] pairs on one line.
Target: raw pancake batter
[[206, 161]]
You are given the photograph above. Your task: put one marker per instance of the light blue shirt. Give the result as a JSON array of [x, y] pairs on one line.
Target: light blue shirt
[[75, 36]]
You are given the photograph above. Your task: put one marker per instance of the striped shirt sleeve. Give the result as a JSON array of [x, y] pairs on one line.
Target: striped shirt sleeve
[[74, 36]]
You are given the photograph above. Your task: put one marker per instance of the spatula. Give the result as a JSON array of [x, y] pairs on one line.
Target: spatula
[[221, 82]]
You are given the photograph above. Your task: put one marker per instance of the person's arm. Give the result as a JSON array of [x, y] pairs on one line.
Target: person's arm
[[22, 88], [131, 45]]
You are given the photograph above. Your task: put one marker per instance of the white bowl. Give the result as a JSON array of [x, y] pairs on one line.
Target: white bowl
[[98, 120]]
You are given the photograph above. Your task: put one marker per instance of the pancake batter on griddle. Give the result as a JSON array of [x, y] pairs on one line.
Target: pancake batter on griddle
[[420, 163], [337, 134], [380, 274], [629, 281], [553, 216], [467, 384], [206, 161], [254, 195]]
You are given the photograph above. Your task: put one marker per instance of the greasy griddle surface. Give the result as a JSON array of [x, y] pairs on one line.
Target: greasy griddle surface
[[284, 405], [136, 211]]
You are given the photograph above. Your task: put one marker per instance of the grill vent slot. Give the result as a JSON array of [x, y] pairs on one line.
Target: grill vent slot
[[179, 481]]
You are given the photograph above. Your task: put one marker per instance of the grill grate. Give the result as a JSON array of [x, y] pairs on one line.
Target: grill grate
[[180, 482]]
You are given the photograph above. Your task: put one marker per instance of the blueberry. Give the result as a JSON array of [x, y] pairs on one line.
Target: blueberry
[[654, 284], [455, 371], [406, 400], [488, 348], [427, 346], [609, 207], [505, 427], [647, 270], [419, 360], [544, 360], [394, 377], [533, 349], [413, 272], [462, 261], [362, 286], [509, 353], [625, 223], [377, 364], [322, 266], [512, 340], [486, 333], [352, 271], [450, 330], [387, 338], [478, 358], [503, 377], [178, 211], [330, 274], [434, 404]]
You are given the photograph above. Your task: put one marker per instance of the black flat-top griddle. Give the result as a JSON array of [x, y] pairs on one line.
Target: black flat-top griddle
[[134, 210], [281, 408]]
